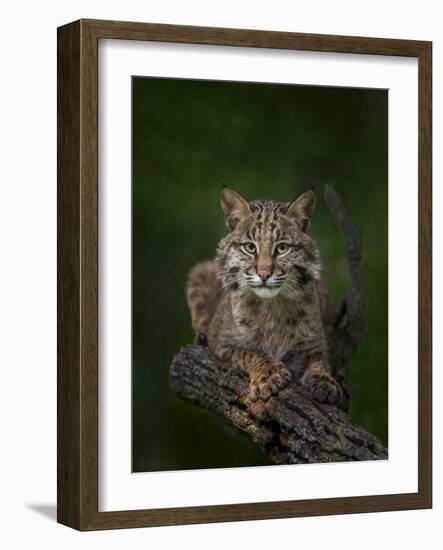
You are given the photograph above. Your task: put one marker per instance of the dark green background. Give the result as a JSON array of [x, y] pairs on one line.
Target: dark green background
[[266, 141]]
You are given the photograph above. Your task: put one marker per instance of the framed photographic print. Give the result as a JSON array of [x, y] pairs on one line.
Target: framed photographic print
[[244, 274]]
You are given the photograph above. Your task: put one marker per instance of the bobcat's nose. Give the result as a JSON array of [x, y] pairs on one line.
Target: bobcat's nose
[[264, 275]]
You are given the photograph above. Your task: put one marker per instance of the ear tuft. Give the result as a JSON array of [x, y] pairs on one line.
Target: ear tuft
[[301, 209], [235, 207]]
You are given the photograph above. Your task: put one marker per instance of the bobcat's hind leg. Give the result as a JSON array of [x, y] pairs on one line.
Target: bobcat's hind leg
[[202, 291]]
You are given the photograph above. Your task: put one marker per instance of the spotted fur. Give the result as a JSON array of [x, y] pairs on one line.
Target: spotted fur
[[258, 302]]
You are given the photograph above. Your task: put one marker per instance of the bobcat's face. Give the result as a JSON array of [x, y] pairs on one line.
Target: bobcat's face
[[268, 249]]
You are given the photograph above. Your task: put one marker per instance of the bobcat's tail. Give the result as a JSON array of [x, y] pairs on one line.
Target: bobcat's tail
[[202, 292]]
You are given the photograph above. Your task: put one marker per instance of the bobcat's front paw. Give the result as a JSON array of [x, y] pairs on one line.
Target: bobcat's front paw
[[324, 388], [268, 380]]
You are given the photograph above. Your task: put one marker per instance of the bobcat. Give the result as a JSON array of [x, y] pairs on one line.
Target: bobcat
[[258, 303]]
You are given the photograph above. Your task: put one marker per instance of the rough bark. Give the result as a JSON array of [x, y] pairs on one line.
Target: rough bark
[[296, 429]]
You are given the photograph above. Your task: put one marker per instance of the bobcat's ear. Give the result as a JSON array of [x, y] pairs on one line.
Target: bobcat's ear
[[301, 209], [235, 207]]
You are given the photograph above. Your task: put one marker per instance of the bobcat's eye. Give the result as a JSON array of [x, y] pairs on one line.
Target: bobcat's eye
[[282, 248], [250, 248]]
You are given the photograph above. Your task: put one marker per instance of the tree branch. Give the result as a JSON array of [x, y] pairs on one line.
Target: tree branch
[[296, 430], [344, 326]]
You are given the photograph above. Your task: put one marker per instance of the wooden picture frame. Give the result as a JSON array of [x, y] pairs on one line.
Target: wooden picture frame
[[78, 274]]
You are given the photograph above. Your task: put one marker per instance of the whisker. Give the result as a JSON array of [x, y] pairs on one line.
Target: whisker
[[226, 285]]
